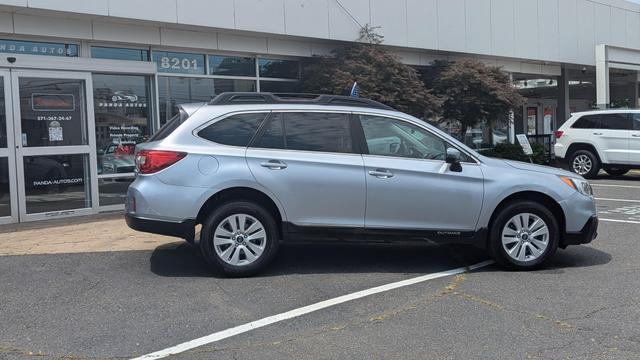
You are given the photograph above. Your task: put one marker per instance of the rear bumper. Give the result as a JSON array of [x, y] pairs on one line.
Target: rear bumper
[[184, 229], [584, 236]]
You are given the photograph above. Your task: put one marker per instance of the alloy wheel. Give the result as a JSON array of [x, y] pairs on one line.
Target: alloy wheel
[[582, 164], [239, 239], [525, 237]]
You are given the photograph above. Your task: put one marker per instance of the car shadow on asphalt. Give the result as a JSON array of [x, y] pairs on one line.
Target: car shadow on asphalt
[[185, 260]]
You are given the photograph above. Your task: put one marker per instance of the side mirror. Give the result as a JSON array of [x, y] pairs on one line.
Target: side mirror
[[453, 158], [101, 152]]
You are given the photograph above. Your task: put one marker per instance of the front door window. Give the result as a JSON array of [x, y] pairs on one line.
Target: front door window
[[52, 112]]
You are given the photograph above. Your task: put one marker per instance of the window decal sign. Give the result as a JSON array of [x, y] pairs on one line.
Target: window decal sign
[[38, 48], [55, 131], [176, 62]]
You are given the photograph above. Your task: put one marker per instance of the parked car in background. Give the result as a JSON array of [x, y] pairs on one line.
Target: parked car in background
[[116, 158], [600, 139], [257, 168]]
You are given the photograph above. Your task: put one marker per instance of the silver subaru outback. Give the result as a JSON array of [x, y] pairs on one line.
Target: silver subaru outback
[[258, 169]]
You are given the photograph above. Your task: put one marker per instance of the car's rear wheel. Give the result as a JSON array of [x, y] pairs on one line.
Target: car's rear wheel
[[616, 171], [585, 163], [523, 236], [239, 238]]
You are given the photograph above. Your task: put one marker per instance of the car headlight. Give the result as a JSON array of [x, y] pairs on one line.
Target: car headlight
[[580, 185]]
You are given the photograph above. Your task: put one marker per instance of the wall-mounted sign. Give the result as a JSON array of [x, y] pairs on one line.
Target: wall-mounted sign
[[38, 48], [176, 62]]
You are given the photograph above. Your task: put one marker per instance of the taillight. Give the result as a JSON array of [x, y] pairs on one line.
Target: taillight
[[558, 134], [150, 161]]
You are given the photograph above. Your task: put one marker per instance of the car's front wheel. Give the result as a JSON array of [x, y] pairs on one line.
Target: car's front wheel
[[239, 238], [523, 236]]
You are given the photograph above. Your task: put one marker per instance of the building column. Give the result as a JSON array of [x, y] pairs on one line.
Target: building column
[[563, 110], [603, 98], [511, 133]]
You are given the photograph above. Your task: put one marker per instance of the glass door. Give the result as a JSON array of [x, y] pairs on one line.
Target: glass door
[[53, 122], [8, 197]]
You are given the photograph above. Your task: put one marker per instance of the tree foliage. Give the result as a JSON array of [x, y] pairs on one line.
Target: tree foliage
[[472, 92], [380, 75]]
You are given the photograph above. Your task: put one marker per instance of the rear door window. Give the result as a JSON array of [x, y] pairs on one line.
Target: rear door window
[[272, 134], [235, 130], [636, 121], [620, 121], [307, 131], [325, 132]]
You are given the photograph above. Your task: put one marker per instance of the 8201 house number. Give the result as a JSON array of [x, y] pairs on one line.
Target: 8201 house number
[[175, 63]]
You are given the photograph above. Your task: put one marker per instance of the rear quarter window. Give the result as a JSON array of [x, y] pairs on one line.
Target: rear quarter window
[[235, 130], [587, 122]]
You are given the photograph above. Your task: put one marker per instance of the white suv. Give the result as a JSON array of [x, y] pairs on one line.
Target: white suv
[[600, 139]]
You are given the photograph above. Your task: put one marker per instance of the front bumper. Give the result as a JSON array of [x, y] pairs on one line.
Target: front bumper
[[588, 232], [184, 229]]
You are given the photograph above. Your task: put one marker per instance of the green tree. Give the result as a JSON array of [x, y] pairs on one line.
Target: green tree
[[380, 75], [472, 92]]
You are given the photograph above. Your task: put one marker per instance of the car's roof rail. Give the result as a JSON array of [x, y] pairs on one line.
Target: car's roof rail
[[244, 98]]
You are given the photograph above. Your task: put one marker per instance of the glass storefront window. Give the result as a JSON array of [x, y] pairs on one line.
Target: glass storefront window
[[5, 197], [3, 116], [177, 62], [99, 52], [622, 88], [52, 112], [226, 85], [274, 68], [56, 182], [582, 89], [173, 91], [122, 116], [280, 86], [232, 65], [38, 48], [113, 191]]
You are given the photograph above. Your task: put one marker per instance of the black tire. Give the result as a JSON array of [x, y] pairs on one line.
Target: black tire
[[498, 251], [593, 158], [209, 227], [616, 171]]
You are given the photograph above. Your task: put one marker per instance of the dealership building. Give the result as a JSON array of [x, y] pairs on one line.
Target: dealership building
[[81, 82]]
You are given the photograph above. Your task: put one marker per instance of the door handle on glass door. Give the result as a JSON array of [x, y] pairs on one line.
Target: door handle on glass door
[[274, 164], [381, 174]]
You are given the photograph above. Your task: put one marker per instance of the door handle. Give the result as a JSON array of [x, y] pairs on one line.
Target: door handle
[[381, 174], [597, 133], [274, 165], [635, 135]]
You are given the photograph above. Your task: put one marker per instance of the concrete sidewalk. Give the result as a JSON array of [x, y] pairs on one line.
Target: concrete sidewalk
[[97, 233]]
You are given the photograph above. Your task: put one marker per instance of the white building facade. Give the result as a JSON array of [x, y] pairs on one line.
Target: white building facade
[[81, 82]]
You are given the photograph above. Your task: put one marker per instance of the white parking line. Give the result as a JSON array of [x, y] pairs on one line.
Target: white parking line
[[621, 186], [205, 340], [620, 200], [621, 221]]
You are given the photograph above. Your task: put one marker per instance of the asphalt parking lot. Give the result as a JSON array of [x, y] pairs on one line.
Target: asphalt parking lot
[[128, 303]]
